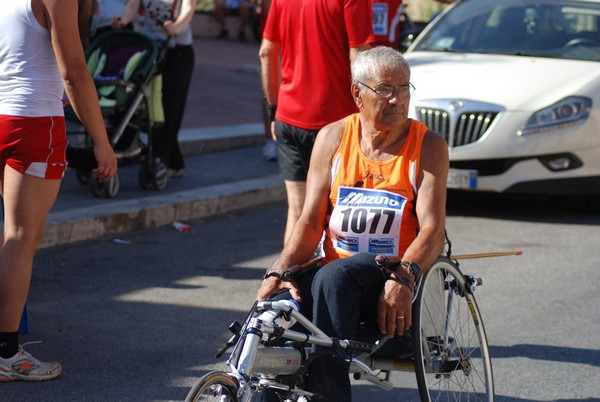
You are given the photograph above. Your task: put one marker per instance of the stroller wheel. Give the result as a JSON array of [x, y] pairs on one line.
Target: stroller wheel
[[107, 189], [160, 176], [153, 175], [83, 176]]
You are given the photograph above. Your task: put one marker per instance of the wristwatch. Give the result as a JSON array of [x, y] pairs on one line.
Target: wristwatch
[[412, 268]]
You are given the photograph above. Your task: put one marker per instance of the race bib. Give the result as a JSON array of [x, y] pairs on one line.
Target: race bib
[[380, 18], [366, 220]]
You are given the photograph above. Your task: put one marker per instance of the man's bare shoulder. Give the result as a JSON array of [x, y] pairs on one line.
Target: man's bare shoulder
[[434, 140], [329, 138], [435, 149], [335, 129]]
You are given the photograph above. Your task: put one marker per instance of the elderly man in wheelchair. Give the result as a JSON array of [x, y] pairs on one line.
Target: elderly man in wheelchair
[[376, 193], [365, 174]]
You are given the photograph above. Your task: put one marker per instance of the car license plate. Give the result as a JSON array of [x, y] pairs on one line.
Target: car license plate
[[458, 178]]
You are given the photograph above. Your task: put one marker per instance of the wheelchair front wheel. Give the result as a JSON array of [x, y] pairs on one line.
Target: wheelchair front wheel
[[214, 386], [452, 358]]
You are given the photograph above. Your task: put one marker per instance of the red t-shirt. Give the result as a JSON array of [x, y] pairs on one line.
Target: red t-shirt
[[386, 22], [316, 36], [282, 26]]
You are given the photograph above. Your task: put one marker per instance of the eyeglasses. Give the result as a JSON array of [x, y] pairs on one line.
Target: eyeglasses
[[387, 91]]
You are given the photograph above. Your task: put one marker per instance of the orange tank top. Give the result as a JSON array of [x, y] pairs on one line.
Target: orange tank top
[[372, 203]]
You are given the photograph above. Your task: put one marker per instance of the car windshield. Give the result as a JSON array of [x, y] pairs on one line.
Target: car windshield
[[542, 28]]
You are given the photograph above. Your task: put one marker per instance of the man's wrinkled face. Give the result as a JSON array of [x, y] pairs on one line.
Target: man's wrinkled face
[[385, 98]]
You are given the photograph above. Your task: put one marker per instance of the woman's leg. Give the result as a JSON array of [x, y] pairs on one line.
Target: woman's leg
[[177, 75], [27, 202]]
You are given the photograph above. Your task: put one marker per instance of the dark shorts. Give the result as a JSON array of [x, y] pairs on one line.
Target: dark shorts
[[294, 147]]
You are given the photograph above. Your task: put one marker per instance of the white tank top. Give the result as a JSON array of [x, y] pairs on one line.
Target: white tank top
[[30, 82]]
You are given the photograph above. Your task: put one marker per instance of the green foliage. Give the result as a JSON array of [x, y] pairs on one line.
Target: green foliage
[[206, 6]]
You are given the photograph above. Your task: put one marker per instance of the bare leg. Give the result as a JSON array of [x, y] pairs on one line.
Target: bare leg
[[27, 202], [296, 192]]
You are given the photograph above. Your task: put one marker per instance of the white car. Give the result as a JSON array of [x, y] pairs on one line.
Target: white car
[[514, 88]]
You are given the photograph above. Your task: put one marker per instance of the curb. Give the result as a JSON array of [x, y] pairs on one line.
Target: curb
[[163, 209], [159, 210], [195, 141]]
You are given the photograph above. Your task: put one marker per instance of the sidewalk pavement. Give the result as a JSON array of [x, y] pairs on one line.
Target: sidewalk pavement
[[222, 136]]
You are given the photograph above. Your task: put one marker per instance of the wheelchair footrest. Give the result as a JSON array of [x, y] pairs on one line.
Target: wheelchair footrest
[[380, 382]]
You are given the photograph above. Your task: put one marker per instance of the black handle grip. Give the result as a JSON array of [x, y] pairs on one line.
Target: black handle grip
[[387, 261], [359, 346]]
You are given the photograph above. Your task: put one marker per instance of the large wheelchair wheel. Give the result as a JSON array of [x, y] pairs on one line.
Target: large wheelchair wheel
[[214, 386], [452, 359]]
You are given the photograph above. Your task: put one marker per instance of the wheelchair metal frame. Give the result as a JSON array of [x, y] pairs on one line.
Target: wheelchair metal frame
[[450, 358]]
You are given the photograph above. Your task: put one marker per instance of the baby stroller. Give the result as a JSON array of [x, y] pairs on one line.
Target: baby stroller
[[125, 66]]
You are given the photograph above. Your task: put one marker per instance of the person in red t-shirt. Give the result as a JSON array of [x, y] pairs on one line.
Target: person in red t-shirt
[[306, 78], [386, 22]]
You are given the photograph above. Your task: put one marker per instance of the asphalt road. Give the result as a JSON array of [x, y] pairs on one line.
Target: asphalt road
[[141, 317]]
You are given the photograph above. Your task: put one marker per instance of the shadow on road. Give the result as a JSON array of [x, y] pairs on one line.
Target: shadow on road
[[550, 353]]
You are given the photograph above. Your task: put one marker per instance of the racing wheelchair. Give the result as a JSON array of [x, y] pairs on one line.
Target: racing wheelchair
[[448, 349]]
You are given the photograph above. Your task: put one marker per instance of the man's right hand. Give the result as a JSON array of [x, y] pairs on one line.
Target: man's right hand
[[272, 285]]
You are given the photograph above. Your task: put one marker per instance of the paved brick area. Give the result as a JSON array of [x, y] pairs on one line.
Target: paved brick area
[[225, 87]]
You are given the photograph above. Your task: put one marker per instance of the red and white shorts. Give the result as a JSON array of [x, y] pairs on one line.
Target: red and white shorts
[[34, 146]]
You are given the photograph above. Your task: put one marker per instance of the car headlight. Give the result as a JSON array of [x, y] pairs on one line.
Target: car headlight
[[567, 111]]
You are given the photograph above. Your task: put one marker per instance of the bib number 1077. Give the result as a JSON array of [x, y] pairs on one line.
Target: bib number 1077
[[359, 220]]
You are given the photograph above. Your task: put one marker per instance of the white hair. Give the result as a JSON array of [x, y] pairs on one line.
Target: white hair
[[368, 62]]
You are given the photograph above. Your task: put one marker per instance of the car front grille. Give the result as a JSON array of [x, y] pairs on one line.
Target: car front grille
[[458, 122]]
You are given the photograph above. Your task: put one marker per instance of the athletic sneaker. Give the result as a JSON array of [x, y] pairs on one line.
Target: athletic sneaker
[[24, 367]]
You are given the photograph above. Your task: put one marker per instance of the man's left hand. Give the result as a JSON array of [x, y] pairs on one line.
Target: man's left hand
[[394, 309]]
